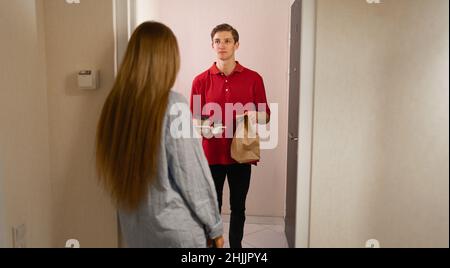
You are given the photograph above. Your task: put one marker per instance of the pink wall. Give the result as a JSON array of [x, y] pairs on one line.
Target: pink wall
[[264, 29]]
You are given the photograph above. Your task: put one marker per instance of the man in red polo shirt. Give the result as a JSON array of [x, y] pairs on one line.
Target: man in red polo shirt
[[228, 84]]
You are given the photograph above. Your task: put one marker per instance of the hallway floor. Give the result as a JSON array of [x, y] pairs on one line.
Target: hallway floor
[[258, 235]]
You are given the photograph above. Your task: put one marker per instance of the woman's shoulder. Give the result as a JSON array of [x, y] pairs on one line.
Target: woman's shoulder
[[177, 104], [175, 97]]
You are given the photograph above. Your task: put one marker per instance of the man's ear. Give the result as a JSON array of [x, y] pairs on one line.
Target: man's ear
[[237, 45]]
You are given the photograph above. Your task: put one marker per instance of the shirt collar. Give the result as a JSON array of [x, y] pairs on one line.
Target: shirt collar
[[214, 70]]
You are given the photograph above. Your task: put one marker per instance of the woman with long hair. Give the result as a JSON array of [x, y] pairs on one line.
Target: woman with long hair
[[161, 184]]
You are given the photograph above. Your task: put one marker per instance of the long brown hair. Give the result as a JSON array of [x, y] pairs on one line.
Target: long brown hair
[[130, 126]]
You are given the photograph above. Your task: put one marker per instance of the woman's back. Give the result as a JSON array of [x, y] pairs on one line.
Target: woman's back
[[181, 208]]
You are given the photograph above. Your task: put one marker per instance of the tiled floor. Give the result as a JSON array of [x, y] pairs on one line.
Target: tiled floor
[[260, 236]]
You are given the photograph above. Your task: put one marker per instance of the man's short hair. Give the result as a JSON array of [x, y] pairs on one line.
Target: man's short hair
[[225, 28]]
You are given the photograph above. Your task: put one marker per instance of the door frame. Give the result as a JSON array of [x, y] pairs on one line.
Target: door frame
[[123, 19], [306, 124], [123, 22]]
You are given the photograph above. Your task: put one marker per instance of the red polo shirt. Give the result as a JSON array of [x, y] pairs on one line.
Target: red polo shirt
[[241, 86]]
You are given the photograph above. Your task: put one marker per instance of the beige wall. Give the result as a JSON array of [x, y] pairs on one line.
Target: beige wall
[[263, 48], [47, 177], [25, 190], [78, 37], [380, 153]]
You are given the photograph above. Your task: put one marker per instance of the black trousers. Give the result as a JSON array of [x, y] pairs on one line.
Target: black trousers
[[238, 176]]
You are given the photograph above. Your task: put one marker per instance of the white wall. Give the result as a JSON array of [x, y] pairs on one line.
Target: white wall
[[25, 189], [381, 126], [263, 26]]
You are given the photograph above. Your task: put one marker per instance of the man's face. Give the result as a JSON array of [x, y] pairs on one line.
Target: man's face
[[224, 45]]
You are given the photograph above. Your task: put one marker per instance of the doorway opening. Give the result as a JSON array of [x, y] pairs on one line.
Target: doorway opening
[[264, 47]]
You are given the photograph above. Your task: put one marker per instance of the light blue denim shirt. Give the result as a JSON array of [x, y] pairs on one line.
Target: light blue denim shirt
[[181, 209]]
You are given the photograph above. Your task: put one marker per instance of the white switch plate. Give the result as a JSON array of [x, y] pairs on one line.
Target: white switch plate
[[88, 79], [19, 234]]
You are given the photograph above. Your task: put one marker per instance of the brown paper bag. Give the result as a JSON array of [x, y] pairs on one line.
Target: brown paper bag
[[245, 144]]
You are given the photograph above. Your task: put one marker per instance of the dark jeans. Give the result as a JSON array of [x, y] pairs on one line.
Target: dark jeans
[[238, 176]]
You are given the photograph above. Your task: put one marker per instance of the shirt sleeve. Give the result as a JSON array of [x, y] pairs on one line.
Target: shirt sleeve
[[191, 174], [197, 99], [259, 95]]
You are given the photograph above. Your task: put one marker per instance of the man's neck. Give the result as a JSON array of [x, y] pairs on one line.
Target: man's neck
[[226, 67]]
